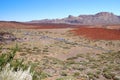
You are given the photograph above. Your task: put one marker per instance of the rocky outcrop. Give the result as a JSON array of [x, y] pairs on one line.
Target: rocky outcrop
[[6, 37], [102, 18]]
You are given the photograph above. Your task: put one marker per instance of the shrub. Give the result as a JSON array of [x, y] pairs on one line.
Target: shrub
[[108, 75], [8, 73], [7, 57], [15, 70], [66, 78], [63, 73], [76, 74]]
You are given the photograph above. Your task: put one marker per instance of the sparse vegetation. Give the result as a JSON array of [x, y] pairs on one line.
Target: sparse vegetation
[[66, 78], [61, 60], [15, 70]]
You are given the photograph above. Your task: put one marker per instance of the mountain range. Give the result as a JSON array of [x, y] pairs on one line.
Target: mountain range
[[102, 18]]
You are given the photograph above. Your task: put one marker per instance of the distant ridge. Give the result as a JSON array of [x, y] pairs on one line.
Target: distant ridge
[[102, 18], [99, 20]]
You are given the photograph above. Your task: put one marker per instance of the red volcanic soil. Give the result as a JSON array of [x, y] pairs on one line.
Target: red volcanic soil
[[12, 24], [98, 33], [50, 26]]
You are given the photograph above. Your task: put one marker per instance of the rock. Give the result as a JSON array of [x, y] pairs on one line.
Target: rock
[[6, 37]]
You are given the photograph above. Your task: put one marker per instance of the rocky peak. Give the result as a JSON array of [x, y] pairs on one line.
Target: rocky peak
[[102, 18], [70, 16], [104, 14]]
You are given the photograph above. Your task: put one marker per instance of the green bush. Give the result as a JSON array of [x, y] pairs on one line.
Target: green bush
[[63, 73], [6, 58], [11, 69], [76, 74]]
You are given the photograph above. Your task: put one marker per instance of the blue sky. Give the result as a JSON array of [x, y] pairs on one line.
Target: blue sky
[[26, 10]]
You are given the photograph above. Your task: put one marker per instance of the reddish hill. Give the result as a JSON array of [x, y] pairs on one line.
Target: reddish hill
[[11, 24], [98, 33]]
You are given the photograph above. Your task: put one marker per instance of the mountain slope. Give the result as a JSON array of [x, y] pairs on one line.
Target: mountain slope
[[102, 18]]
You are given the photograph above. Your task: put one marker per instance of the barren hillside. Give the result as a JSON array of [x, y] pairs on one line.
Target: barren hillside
[[98, 33]]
